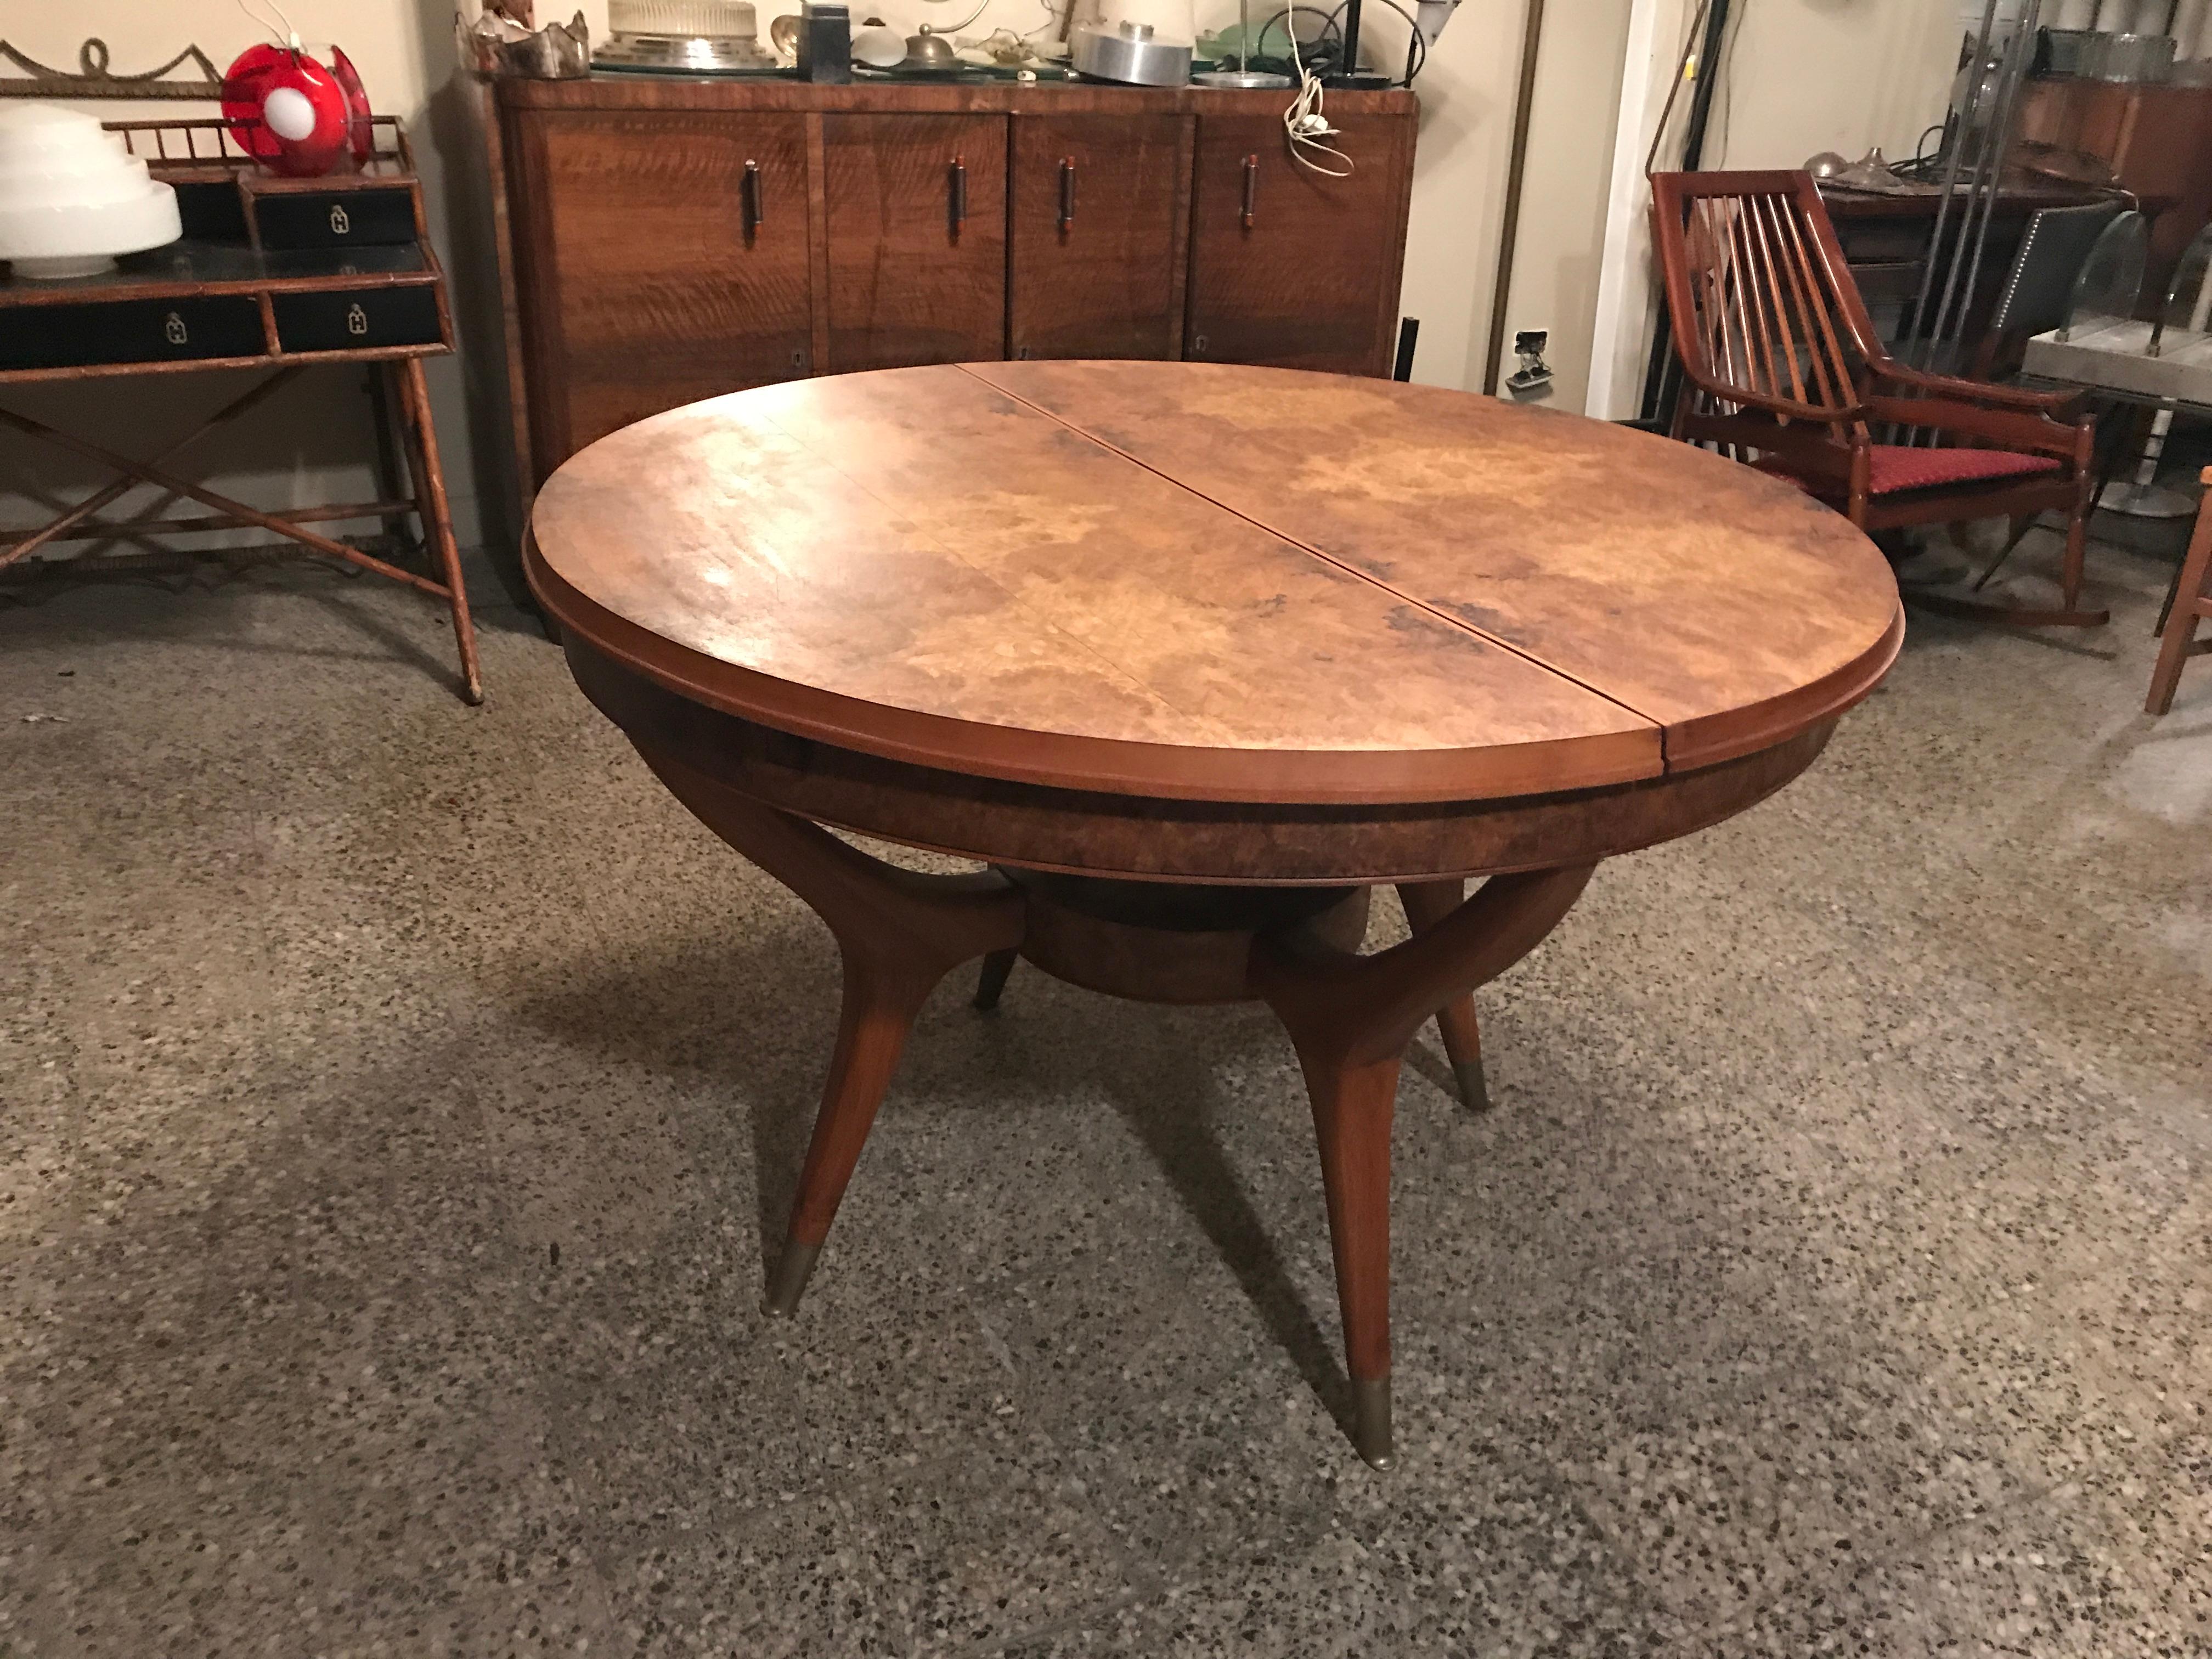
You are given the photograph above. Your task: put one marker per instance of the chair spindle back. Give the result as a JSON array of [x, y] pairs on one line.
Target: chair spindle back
[[1760, 301]]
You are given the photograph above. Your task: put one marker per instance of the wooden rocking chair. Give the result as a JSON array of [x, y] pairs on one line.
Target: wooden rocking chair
[[1782, 369]]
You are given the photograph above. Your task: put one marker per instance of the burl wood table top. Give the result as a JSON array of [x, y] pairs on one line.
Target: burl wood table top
[[1213, 583]]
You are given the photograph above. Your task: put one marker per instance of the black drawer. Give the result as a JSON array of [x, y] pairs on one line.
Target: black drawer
[[129, 332], [211, 213], [336, 218], [355, 318]]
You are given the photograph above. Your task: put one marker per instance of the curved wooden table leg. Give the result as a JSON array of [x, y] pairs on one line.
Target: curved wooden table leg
[[997, 966], [1350, 1018], [899, 933], [1427, 903]]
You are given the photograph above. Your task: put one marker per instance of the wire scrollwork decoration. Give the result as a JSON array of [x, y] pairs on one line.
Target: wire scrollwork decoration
[[93, 79]]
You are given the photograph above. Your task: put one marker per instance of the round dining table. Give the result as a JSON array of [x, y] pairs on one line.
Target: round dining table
[[1190, 659]]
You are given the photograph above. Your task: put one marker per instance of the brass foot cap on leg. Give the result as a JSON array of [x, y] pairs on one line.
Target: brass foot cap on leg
[[789, 1282], [1370, 1422], [1474, 1086]]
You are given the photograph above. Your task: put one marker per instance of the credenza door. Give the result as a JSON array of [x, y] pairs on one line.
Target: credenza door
[[1290, 267], [916, 230], [668, 262], [1100, 215]]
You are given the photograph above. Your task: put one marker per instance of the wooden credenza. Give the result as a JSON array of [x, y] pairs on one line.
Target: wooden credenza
[[2156, 139], [666, 241]]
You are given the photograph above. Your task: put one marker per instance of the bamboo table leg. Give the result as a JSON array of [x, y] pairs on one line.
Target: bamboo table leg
[[429, 476], [120, 486], [1350, 1018], [430, 501]]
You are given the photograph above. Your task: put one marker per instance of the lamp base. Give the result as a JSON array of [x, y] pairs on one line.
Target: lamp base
[[1253, 78], [62, 267], [2143, 500]]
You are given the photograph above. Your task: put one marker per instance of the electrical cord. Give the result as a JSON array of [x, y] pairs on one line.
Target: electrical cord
[[282, 29], [983, 6], [1306, 121], [1259, 45]]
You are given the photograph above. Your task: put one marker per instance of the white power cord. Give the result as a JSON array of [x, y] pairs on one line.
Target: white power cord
[[1305, 124], [282, 29]]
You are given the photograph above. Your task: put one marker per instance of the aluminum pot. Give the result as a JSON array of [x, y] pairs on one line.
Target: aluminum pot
[[1129, 54]]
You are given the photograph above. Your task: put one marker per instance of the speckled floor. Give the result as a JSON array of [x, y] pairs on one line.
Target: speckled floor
[[396, 1097]]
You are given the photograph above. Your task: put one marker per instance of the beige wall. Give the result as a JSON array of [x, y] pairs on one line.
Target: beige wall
[[1808, 76], [1555, 264]]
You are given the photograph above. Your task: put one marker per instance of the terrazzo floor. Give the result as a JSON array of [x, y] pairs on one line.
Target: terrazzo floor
[[397, 1095]]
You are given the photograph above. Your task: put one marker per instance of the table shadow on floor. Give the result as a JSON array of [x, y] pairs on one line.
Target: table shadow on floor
[[643, 1011]]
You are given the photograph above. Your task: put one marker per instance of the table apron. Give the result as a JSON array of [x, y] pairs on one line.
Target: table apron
[[1143, 838]]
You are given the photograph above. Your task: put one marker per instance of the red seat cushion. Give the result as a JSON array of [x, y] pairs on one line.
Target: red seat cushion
[[1893, 468]]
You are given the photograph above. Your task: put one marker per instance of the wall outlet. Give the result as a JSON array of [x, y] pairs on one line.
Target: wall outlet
[[1535, 373]]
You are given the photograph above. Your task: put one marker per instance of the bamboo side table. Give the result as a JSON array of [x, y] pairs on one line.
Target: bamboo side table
[[281, 273]]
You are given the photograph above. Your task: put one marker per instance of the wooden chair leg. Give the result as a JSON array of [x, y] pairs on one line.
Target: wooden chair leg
[[2187, 609], [1350, 1017], [899, 932], [413, 394], [1428, 902], [2021, 524], [2069, 569], [2173, 593]]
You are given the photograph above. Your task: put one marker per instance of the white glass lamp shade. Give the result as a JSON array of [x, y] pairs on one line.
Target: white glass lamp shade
[[71, 197]]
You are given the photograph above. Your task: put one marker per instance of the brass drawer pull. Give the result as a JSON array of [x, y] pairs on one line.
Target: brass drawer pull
[[1251, 189], [1066, 193]]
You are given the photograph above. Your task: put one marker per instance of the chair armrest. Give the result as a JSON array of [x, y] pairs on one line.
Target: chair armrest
[[1806, 450], [1788, 408], [2013, 429], [1980, 391]]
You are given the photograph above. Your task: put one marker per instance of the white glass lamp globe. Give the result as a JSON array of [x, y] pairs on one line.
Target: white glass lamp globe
[[288, 113], [71, 197]]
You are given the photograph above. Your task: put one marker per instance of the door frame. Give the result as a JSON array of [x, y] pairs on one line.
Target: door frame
[[1626, 300]]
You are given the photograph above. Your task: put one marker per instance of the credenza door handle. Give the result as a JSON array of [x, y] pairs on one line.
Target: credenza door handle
[[755, 200], [1066, 193], [959, 193], [1251, 189]]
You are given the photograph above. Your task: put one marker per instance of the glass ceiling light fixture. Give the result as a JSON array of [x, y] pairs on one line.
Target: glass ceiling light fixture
[[72, 197]]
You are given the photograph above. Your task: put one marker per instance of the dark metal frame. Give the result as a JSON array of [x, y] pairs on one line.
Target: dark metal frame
[[93, 79]]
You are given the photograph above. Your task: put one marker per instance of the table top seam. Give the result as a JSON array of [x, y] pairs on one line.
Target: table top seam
[[1328, 558]]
